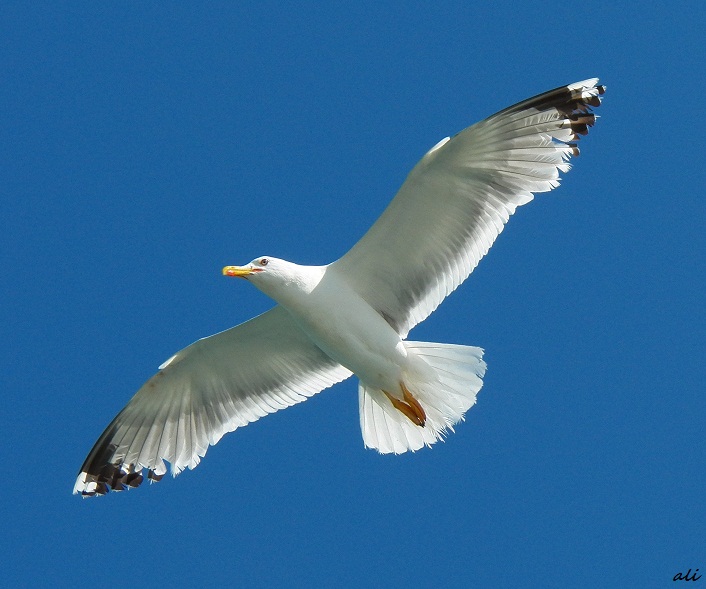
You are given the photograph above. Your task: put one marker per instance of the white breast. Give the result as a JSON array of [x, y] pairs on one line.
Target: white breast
[[350, 331]]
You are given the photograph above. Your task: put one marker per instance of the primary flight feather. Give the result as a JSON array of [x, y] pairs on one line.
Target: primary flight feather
[[353, 316]]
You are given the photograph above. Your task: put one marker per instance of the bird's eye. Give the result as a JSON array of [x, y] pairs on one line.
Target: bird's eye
[[264, 262]]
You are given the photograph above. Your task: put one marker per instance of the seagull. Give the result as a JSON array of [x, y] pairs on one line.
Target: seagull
[[353, 316]]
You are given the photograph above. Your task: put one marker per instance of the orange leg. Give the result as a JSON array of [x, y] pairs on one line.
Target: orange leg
[[418, 410], [410, 406]]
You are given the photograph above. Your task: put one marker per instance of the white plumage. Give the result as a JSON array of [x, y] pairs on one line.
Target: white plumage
[[353, 316]]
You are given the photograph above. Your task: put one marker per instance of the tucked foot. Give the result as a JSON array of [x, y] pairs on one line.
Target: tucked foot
[[410, 406], [418, 410]]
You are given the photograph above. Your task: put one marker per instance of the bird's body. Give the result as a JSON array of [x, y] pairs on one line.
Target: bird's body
[[353, 316], [340, 322]]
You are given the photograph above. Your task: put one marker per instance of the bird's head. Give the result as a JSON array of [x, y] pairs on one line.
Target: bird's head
[[261, 265], [274, 276]]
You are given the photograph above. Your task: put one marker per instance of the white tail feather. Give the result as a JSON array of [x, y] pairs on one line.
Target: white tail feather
[[457, 378]]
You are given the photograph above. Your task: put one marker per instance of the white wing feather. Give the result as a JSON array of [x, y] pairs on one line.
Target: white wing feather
[[457, 199], [213, 386]]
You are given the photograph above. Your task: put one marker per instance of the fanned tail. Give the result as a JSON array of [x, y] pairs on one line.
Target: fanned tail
[[457, 373]]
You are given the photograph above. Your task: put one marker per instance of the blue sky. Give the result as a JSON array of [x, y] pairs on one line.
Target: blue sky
[[143, 148]]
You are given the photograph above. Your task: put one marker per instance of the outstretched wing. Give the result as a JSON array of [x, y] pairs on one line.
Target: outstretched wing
[[213, 386], [457, 199]]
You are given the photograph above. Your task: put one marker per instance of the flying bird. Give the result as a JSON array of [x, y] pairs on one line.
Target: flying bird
[[353, 316]]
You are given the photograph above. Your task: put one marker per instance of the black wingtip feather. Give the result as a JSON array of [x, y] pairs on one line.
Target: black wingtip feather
[[154, 477], [101, 473], [115, 478], [573, 101]]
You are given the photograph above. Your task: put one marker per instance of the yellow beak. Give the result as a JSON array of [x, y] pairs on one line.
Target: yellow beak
[[239, 271]]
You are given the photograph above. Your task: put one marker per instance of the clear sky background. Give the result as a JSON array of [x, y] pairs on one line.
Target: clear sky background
[[144, 148]]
